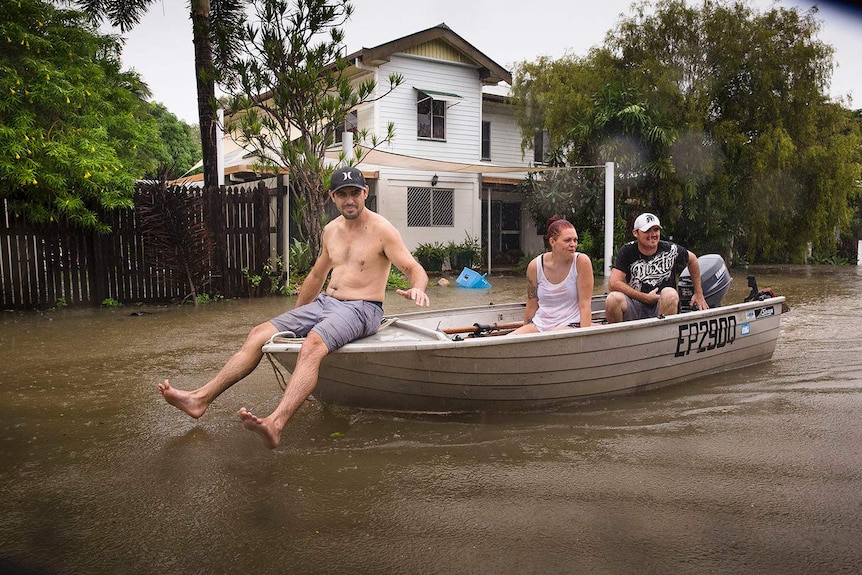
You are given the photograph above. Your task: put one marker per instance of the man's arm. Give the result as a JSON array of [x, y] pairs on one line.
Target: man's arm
[[398, 254], [316, 277], [697, 285], [617, 282]]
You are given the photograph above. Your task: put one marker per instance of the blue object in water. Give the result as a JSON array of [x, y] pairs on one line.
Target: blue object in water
[[472, 279]]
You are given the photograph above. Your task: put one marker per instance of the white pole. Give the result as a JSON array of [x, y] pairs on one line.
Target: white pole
[[488, 251], [859, 253], [609, 216], [220, 146], [347, 146]]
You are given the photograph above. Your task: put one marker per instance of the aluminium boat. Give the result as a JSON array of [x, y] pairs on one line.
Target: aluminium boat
[[466, 359]]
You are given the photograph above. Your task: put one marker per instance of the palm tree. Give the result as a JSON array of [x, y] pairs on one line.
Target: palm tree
[[622, 127], [215, 28]]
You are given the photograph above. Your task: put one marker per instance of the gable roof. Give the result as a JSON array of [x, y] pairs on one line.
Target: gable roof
[[489, 71]]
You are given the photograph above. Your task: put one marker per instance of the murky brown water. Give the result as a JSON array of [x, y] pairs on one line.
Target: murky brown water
[[753, 471]]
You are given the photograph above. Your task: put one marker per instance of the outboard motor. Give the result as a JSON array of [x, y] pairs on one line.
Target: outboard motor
[[714, 278]]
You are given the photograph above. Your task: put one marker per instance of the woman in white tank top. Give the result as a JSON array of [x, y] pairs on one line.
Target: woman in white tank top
[[559, 283]]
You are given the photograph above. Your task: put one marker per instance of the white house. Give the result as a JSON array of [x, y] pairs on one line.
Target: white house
[[452, 167]]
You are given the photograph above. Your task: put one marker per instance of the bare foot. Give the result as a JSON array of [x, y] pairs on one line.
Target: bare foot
[[260, 426], [182, 400]]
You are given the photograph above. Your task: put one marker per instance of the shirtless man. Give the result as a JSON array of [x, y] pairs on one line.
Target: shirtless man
[[358, 247]]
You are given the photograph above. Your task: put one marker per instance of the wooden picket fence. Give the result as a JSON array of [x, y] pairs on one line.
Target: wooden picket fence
[[42, 266]]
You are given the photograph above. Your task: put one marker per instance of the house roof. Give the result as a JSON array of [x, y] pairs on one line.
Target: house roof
[[489, 71]]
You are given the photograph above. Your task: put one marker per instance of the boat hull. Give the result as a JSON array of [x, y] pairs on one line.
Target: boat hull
[[412, 365]]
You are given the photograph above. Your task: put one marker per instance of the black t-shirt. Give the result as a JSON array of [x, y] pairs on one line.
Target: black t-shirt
[[645, 273]]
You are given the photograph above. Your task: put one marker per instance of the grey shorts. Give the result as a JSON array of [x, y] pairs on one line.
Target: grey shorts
[[639, 310], [337, 322]]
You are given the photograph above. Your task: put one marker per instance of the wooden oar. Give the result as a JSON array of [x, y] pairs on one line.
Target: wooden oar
[[479, 328]]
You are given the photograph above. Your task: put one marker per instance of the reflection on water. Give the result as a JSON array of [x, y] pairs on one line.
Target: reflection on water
[[751, 471]]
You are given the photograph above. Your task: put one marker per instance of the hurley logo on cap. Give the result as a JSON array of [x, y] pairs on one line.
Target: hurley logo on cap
[[347, 176]]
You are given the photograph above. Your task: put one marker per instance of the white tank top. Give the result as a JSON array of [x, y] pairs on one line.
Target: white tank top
[[558, 303]]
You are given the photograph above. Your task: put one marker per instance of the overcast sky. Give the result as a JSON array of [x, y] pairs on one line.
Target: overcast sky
[[160, 48]]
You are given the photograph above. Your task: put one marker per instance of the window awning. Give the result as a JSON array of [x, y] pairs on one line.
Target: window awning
[[438, 95]]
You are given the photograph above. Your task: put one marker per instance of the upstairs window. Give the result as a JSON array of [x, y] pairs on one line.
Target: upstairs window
[[486, 140], [431, 108], [351, 124]]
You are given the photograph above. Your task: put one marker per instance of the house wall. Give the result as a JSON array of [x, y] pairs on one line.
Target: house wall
[[392, 204], [463, 122], [505, 136]]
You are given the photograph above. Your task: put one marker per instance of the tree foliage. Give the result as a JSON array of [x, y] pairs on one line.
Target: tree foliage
[[290, 90], [180, 145], [73, 131], [719, 120], [216, 27]]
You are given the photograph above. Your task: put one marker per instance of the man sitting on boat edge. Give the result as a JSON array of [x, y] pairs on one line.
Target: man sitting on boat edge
[[644, 277], [358, 247]]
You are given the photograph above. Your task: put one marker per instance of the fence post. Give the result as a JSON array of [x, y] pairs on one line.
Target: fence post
[[261, 235]]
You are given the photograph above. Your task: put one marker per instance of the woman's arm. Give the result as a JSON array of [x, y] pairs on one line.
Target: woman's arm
[[585, 289], [532, 293]]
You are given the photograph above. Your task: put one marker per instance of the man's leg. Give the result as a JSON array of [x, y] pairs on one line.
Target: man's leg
[[302, 382], [242, 363], [668, 303], [615, 307]]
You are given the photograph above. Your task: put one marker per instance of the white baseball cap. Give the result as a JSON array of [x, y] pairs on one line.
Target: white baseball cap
[[646, 221]]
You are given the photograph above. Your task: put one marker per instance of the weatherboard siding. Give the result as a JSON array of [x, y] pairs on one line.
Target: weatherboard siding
[[505, 137], [462, 143]]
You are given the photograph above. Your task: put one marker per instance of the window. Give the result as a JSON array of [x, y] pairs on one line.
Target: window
[[351, 123], [541, 143], [430, 207], [430, 117], [486, 140]]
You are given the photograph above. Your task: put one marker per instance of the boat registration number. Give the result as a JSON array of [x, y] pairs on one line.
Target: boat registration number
[[705, 335]]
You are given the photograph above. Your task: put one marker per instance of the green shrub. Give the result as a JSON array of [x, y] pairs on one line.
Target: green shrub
[[396, 280], [299, 257], [523, 262], [430, 256]]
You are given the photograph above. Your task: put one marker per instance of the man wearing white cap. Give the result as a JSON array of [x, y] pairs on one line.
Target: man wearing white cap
[[644, 276], [358, 248]]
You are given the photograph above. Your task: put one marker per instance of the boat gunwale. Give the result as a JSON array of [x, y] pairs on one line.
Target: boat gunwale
[[403, 321]]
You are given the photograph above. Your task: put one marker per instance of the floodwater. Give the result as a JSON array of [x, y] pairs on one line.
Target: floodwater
[[753, 471]]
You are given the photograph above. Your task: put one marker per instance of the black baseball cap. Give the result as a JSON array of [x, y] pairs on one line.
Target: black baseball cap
[[348, 176]]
